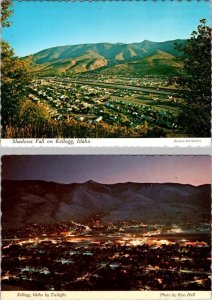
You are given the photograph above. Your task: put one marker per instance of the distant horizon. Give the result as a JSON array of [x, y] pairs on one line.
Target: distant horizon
[[41, 25], [94, 181], [109, 169], [112, 43]]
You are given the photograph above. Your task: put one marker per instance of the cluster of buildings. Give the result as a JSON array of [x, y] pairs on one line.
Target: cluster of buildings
[[94, 256], [105, 265], [148, 81], [94, 104]]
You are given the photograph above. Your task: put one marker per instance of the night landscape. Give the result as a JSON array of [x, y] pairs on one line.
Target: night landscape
[[116, 235]]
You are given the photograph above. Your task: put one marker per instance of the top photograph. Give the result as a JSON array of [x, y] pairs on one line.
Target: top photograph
[[138, 70]]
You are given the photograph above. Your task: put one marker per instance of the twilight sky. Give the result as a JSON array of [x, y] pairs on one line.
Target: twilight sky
[[195, 170], [37, 25]]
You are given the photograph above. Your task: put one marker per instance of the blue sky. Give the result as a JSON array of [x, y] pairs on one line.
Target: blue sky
[[40, 25]]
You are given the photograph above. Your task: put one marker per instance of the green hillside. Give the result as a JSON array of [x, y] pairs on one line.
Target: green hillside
[[147, 56], [87, 62], [160, 63]]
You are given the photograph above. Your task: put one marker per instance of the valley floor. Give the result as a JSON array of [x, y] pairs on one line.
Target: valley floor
[[107, 262], [102, 107]]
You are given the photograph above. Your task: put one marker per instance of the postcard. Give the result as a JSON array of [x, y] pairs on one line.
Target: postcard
[[117, 73], [106, 227]]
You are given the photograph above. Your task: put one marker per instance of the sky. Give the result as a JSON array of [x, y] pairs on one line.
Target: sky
[[195, 170], [38, 25]]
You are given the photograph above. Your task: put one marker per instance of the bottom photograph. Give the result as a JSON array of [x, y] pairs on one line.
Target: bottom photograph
[[106, 223]]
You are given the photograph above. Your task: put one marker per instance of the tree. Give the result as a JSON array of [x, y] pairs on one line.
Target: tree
[[14, 79], [6, 12], [15, 75], [33, 113], [195, 84]]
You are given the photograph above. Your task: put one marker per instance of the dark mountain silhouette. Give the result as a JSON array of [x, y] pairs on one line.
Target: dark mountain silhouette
[[49, 202]]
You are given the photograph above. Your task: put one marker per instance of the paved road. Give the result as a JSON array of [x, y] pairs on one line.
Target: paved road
[[116, 86]]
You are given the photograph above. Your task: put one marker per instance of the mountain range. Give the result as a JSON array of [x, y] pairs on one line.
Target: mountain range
[[145, 58], [37, 201]]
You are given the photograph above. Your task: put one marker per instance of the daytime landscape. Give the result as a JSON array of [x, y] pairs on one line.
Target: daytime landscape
[[146, 79]]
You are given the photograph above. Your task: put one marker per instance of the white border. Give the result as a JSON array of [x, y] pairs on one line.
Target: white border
[[105, 142], [113, 295]]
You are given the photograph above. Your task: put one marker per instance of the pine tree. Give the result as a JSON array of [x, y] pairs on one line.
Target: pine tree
[[15, 75], [195, 84]]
